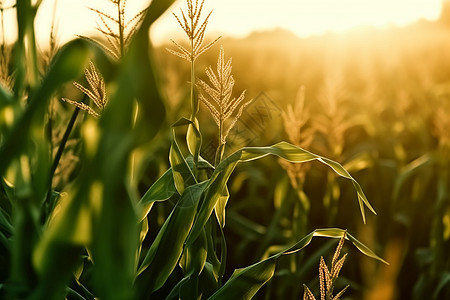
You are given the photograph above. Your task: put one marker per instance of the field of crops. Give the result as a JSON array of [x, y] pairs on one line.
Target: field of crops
[[134, 172]]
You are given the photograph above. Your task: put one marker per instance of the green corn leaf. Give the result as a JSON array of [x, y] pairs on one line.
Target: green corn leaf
[[67, 65], [175, 293], [213, 260], [71, 225], [161, 190], [194, 140], [362, 200], [223, 171], [164, 188], [116, 232], [192, 263], [444, 280], [410, 170], [364, 249], [138, 79], [194, 257], [154, 11], [57, 271], [26, 60], [5, 223], [221, 205], [180, 169], [360, 162], [5, 97], [202, 163], [244, 283], [114, 270], [208, 282], [74, 295], [166, 249], [26, 233], [9, 191], [182, 173], [5, 243], [333, 233]]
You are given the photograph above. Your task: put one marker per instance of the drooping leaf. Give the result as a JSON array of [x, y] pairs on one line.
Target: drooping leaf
[[287, 151], [161, 190], [244, 283], [334, 233], [410, 170]]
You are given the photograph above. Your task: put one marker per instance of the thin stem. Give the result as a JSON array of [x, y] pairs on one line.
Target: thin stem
[[194, 103], [219, 154], [46, 205], [223, 254], [52, 31], [3, 62], [221, 148], [3, 32], [121, 29], [34, 53]]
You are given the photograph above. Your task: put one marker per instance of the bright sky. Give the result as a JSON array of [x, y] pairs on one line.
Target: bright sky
[[240, 17], [304, 17]]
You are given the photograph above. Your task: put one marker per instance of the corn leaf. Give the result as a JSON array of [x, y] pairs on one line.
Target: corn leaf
[[68, 65], [166, 249], [116, 230], [194, 140], [192, 263], [245, 283], [182, 173], [5, 97], [413, 168], [5, 223], [444, 280], [221, 205], [138, 79], [219, 179], [164, 187], [161, 190], [5, 243]]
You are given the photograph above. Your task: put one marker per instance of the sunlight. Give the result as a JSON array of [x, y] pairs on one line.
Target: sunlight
[[240, 17], [304, 17]]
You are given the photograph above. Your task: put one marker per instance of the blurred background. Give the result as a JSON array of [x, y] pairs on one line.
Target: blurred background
[[365, 84], [376, 98]]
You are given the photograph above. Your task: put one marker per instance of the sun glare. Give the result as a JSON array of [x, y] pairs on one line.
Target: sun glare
[[240, 17], [305, 17]]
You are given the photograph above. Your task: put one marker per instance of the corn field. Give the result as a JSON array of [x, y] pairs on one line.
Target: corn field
[[221, 168]]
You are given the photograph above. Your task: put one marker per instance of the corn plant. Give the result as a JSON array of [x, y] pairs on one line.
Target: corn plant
[[427, 179], [90, 239], [328, 277]]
